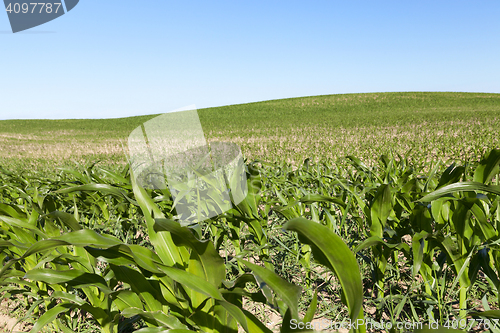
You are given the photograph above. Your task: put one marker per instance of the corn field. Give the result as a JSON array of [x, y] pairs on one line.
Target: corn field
[[88, 250]]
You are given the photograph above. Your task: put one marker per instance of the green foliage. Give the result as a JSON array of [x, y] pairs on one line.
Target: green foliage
[[400, 239]]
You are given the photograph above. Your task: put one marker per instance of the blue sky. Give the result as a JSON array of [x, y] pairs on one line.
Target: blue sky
[[111, 58]]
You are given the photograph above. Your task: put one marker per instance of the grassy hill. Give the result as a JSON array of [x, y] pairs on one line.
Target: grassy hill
[[424, 125]]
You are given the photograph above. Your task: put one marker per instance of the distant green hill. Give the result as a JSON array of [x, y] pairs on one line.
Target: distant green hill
[[432, 124]]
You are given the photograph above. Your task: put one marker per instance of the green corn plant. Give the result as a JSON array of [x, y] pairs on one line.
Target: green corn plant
[[329, 250], [144, 286], [184, 279], [248, 213], [467, 233], [29, 255], [380, 209], [296, 209], [20, 227]]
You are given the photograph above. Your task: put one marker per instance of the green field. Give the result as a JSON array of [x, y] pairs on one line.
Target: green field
[[406, 229], [418, 124]]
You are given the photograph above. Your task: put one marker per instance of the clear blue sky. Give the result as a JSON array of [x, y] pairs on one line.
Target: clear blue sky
[[111, 58]]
